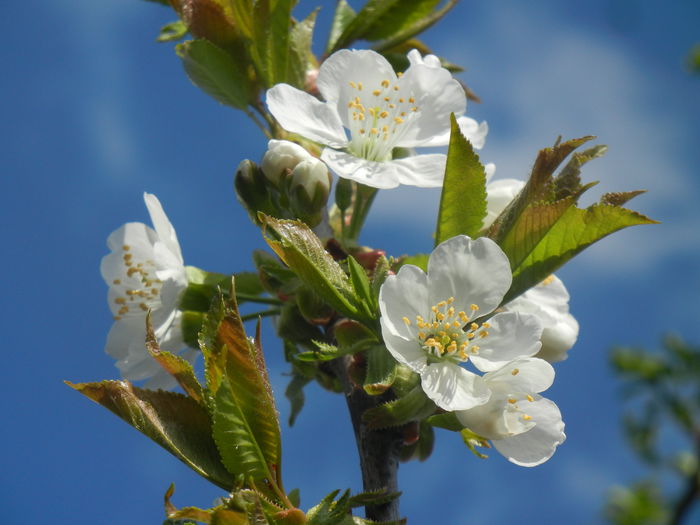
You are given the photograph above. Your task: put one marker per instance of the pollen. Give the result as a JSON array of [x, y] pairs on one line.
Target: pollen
[[385, 83], [512, 401], [353, 85], [120, 300], [411, 100], [377, 92], [117, 281], [548, 280], [406, 320], [359, 86], [473, 307], [143, 307], [530, 398], [515, 372], [526, 417], [373, 131], [384, 114], [398, 120]]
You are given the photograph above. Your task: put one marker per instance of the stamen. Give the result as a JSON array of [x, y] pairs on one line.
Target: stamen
[[526, 417], [406, 320], [515, 372], [530, 398], [126, 248]]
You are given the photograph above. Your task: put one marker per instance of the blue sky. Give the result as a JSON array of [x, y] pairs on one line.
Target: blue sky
[[95, 112]]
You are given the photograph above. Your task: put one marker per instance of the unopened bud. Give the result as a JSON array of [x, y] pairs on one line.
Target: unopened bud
[[343, 193], [280, 159], [252, 190]]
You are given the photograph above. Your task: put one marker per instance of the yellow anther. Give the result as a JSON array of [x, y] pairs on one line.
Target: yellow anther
[[127, 256], [450, 300], [143, 307], [512, 401], [396, 88], [440, 316], [126, 247], [434, 309], [456, 324], [373, 131], [403, 113], [384, 114], [372, 111], [451, 311], [442, 334], [526, 417], [414, 109], [376, 92], [463, 317], [411, 100], [548, 280], [475, 349], [515, 372], [483, 334], [442, 304], [473, 326], [117, 281], [385, 83], [353, 85], [473, 307], [421, 335], [407, 321], [435, 325], [419, 318], [485, 325], [386, 99], [454, 335], [398, 120], [530, 398], [120, 300], [362, 131], [446, 326], [392, 106], [470, 335], [357, 101], [359, 86], [361, 116], [117, 317], [154, 291], [452, 347], [401, 100], [123, 310], [399, 74]]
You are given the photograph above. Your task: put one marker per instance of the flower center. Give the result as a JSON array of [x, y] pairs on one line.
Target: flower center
[[449, 334], [139, 288], [379, 116]]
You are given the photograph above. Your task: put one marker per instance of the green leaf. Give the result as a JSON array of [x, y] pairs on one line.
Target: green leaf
[[175, 365], [401, 15], [447, 420], [362, 287], [381, 370], [176, 422], [329, 511], [295, 394], [463, 199], [343, 15], [246, 427], [423, 447], [172, 31], [357, 27], [216, 72], [302, 251], [301, 58], [575, 230], [472, 441], [372, 497], [269, 49], [414, 406], [173, 513], [414, 26], [419, 259]]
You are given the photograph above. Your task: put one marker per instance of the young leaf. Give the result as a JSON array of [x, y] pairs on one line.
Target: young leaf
[[414, 406], [362, 287], [381, 370], [216, 72], [372, 497], [401, 15], [172, 31], [447, 420], [246, 427], [357, 27], [329, 511], [301, 59], [463, 199], [176, 422], [295, 394], [175, 365], [302, 251], [269, 50], [344, 14]]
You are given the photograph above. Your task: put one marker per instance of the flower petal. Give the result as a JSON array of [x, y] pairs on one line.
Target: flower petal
[[164, 229], [423, 171], [404, 295], [299, 112], [406, 351], [382, 175], [452, 387], [366, 69], [510, 335], [471, 271], [558, 339], [521, 376], [474, 132], [538, 444], [499, 193]]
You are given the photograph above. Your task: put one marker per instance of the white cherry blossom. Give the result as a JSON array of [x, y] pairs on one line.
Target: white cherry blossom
[[144, 271], [380, 111], [435, 322], [523, 426]]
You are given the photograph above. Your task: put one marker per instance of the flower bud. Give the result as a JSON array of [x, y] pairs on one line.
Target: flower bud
[[308, 188], [280, 159], [252, 190], [343, 193]]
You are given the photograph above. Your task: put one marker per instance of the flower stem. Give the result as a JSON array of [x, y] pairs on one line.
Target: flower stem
[[264, 313], [364, 195]]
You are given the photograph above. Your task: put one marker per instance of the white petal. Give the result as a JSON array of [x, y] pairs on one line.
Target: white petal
[[521, 376], [423, 171], [471, 271], [452, 387], [299, 112], [487, 420], [136, 235], [474, 132], [558, 339], [499, 194], [510, 335], [437, 95], [538, 444], [406, 351], [404, 295], [164, 229], [548, 300], [362, 67], [163, 380], [382, 175], [490, 170]]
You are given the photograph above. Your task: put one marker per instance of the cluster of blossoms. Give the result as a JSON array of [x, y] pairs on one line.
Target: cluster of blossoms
[[484, 361]]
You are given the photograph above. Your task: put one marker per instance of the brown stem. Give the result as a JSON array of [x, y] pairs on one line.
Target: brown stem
[[378, 449]]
